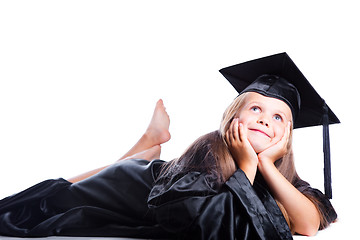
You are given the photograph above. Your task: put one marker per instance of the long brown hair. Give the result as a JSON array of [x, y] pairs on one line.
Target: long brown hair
[[207, 154]]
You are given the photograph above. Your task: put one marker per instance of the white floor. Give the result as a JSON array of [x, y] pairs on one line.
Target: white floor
[[338, 230]]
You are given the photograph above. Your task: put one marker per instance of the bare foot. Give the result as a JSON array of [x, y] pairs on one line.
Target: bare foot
[[149, 154], [157, 132], [158, 129]]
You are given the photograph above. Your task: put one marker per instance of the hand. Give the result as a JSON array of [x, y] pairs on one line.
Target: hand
[[239, 145], [278, 150]]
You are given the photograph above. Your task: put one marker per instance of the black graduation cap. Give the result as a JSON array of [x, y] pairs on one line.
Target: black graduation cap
[[277, 76]]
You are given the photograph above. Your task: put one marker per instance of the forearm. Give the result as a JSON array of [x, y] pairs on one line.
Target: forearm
[[302, 212]]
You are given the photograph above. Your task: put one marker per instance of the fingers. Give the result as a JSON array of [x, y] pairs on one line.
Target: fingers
[[240, 148], [235, 129], [229, 133], [288, 128], [286, 135], [283, 143], [232, 134], [287, 132], [242, 132]]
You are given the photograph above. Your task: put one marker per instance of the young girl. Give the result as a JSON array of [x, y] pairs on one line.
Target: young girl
[[238, 182]]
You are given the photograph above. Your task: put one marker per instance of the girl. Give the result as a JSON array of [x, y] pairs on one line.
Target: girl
[[238, 182]]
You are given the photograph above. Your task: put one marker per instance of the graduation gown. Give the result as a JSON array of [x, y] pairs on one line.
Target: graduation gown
[[125, 200]]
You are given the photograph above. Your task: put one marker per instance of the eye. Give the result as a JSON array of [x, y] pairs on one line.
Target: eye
[[255, 109], [277, 117]]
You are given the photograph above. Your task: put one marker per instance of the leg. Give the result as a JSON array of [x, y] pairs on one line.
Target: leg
[[149, 154], [148, 146]]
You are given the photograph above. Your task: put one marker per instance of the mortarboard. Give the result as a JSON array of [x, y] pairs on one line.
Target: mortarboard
[[277, 76]]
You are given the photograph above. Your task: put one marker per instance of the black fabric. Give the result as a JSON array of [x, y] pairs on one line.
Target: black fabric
[[191, 207], [125, 200], [277, 87], [244, 74], [277, 76], [111, 203]]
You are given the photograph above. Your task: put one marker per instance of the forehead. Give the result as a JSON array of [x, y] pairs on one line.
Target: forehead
[[268, 102]]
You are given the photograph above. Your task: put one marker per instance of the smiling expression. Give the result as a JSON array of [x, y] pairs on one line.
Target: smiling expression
[[264, 119]]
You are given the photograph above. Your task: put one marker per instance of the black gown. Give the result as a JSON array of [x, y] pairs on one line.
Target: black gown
[[124, 200]]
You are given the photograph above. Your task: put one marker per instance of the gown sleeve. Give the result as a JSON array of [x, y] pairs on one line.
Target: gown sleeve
[[192, 208]]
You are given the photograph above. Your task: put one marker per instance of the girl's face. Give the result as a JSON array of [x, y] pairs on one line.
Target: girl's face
[[264, 119]]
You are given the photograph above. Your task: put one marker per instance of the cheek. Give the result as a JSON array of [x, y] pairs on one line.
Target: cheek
[[279, 131], [244, 119]]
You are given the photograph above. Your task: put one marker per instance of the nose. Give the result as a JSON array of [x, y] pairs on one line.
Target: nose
[[263, 122]]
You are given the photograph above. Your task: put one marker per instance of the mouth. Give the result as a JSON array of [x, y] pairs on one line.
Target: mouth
[[259, 131]]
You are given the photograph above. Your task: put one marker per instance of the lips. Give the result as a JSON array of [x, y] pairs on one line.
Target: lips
[[258, 130]]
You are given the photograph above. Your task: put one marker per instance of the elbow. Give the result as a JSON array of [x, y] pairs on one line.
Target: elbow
[[308, 230], [308, 226]]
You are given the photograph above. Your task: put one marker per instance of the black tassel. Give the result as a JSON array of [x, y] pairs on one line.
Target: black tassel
[[326, 150]]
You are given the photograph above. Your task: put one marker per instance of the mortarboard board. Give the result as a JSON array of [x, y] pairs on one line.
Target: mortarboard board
[[277, 76]]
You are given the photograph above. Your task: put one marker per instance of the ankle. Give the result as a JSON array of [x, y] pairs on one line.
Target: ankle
[[154, 137], [148, 139]]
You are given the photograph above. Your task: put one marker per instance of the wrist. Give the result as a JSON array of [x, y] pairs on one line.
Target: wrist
[[249, 168], [265, 163], [264, 159]]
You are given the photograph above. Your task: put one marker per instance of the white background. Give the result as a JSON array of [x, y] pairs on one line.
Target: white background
[[79, 80]]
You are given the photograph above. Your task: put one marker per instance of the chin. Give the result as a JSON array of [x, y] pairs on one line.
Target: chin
[[257, 145], [258, 149]]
